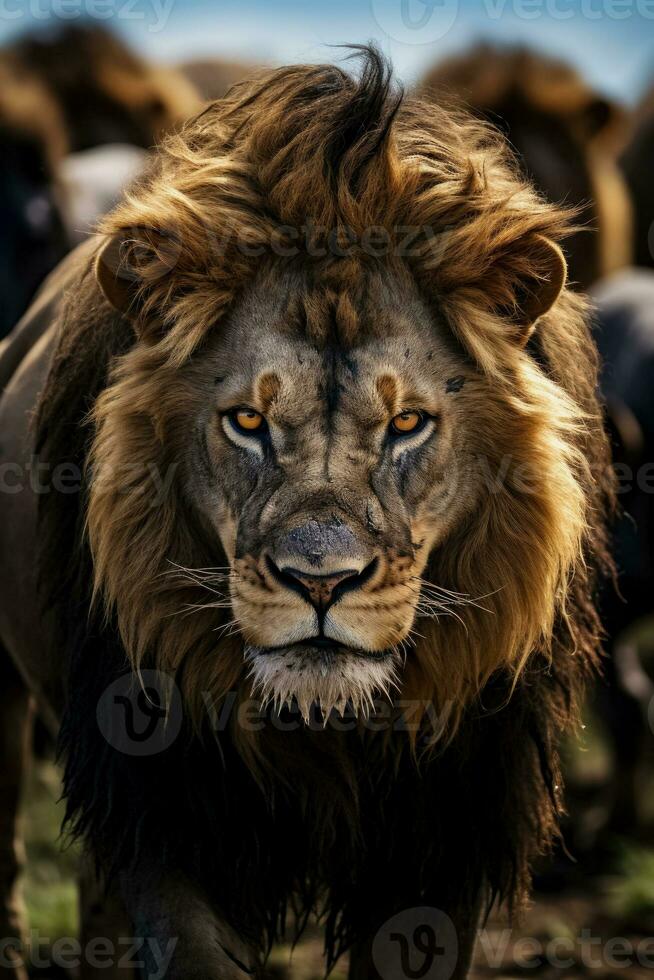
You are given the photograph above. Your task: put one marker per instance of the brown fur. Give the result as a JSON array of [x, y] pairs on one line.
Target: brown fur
[[636, 165], [213, 78]]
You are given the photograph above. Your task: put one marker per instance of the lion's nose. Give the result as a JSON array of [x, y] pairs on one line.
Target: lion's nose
[[321, 590]]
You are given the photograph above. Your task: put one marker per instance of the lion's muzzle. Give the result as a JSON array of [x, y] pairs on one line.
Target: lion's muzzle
[[316, 636], [323, 601]]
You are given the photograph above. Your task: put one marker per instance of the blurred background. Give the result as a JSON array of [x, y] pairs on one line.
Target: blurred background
[[87, 87]]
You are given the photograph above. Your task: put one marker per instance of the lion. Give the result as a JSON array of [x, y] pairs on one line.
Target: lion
[[566, 135], [307, 584]]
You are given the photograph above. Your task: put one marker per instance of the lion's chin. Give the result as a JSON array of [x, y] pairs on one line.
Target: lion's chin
[[332, 676]]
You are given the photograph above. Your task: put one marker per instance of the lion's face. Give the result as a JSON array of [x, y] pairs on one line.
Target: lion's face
[[341, 422], [328, 471]]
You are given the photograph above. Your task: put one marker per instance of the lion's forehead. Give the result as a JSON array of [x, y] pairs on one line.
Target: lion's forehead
[[293, 381], [401, 356], [284, 318]]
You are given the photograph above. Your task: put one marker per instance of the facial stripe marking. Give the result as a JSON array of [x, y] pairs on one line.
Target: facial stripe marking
[[387, 390], [205, 454], [269, 388]]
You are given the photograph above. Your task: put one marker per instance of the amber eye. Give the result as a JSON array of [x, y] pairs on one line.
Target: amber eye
[[406, 423], [247, 420]]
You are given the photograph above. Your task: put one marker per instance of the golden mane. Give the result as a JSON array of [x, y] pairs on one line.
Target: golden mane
[[311, 147]]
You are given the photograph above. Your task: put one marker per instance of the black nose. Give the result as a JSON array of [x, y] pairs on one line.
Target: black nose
[[321, 591]]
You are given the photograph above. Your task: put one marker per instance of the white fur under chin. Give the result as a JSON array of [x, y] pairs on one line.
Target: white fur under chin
[[330, 680]]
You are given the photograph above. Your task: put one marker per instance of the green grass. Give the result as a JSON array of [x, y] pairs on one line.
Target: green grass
[[50, 883], [631, 895], [49, 886]]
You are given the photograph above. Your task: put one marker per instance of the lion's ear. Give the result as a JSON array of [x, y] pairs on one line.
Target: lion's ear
[[131, 261], [538, 292]]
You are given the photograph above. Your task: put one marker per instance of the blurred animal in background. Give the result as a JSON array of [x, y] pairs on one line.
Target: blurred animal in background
[[213, 77], [32, 145], [637, 163], [566, 137], [106, 93], [78, 112], [624, 332]]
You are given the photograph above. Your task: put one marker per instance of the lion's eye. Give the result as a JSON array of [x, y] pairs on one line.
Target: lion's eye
[[407, 423], [247, 420]]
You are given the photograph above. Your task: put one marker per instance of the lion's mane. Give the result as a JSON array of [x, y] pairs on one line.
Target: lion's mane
[[313, 146]]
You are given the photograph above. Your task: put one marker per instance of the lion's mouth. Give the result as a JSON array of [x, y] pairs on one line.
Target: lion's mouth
[[323, 648]]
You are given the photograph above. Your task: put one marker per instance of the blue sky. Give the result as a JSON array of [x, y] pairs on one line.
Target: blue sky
[[611, 41]]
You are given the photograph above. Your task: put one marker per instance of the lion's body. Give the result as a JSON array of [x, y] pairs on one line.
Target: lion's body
[[24, 360], [363, 819]]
